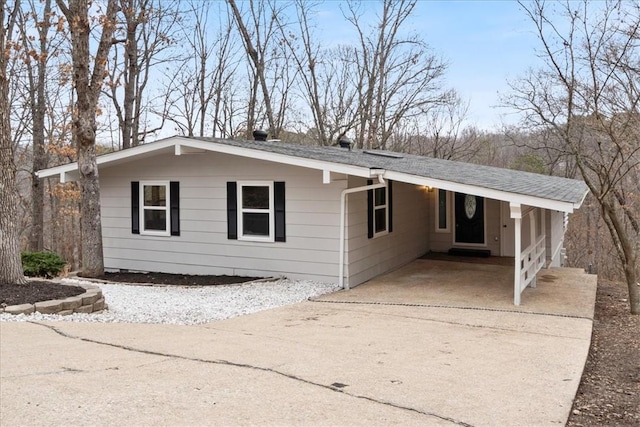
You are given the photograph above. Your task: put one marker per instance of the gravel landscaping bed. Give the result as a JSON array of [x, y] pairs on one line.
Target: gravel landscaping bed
[[187, 305]]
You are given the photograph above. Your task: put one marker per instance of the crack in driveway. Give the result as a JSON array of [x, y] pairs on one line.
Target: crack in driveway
[[455, 307], [258, 368], [465, 324]]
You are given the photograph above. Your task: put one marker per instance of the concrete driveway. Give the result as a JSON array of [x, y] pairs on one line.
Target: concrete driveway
[[313, 363]]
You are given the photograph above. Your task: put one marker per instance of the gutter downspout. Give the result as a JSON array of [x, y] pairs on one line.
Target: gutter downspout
[[343, 203]]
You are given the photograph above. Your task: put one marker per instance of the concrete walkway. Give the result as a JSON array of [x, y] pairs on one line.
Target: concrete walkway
[[313, 363]]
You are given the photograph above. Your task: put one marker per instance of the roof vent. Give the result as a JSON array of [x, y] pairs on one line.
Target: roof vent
[[345, 143], [260, 135]]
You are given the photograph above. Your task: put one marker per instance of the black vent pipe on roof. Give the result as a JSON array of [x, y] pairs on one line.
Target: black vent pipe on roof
[[260, 135], [345, 142]]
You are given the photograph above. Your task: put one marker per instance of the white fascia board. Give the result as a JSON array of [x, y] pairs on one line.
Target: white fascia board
[[111, 157], [180, 144], [58, 170], [483, 192], [279, 158], [584, 196]]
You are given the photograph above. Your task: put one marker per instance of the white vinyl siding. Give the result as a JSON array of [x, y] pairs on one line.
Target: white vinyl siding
[[312, 219], [368, 258], [554, 225]]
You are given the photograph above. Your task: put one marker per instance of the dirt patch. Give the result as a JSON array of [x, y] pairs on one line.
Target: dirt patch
[[39, 290], [175, 279], [609, 392], [36, 291]]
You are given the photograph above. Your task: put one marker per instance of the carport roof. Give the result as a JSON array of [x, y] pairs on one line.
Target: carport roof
[[498, 183]]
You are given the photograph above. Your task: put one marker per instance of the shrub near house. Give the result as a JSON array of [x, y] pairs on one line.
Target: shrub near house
[[42, 264]]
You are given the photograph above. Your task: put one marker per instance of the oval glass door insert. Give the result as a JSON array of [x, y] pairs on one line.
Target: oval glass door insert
[[469, 206]]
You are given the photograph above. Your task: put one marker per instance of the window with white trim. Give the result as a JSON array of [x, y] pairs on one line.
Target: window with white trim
[[256, 211], [380, 212], [154, 208], [442, 211]]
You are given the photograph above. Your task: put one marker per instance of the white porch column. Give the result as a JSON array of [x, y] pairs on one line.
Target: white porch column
[[516, 214], [533, 232]]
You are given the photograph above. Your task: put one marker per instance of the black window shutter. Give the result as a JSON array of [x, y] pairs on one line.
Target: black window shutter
[[278, 195], [390, 204], [174, 207], [135, 207], [232, 210], [369, 210]]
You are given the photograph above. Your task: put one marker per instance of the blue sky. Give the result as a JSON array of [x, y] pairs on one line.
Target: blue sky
[[484, 42]]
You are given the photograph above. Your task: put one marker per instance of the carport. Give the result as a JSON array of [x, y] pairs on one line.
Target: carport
[[480, 210], [438, 280]]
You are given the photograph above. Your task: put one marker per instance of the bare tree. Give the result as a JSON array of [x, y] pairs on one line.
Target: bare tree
[[201, 93], [87, 87], [587, 100], [398, 77], [142, 38], [270, 78], [10, 262], [440, 133], [324, 77]]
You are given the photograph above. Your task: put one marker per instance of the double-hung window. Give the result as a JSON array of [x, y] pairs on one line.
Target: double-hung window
[[255, 211], [154, 205], [379, 215], [155, 208]]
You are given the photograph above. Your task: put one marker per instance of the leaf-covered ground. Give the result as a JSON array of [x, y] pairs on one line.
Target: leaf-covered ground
[[609, 393]]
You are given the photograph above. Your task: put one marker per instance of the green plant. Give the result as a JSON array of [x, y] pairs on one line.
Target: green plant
[[42, 264]]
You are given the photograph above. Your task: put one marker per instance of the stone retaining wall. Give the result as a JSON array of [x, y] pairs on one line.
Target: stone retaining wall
[[91, 301]]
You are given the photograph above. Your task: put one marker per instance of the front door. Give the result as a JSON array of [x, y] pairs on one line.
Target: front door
[[469, 219]]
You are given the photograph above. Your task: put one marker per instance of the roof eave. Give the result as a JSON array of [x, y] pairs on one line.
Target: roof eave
[[523, 199], [178, 142], [68, 172], [63, 170], [579, 203], [361, 171]]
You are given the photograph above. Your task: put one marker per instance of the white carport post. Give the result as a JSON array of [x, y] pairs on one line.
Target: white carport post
[[516, 214], [533, 232]]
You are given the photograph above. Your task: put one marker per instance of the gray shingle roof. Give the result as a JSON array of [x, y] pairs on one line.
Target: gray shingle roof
[[518, 182]]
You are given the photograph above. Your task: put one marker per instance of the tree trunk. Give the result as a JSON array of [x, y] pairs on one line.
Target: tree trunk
[[634, 288], [131, 73], [10, 263], [90, 218], [625, 250], [36, 238], [87, 85]]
